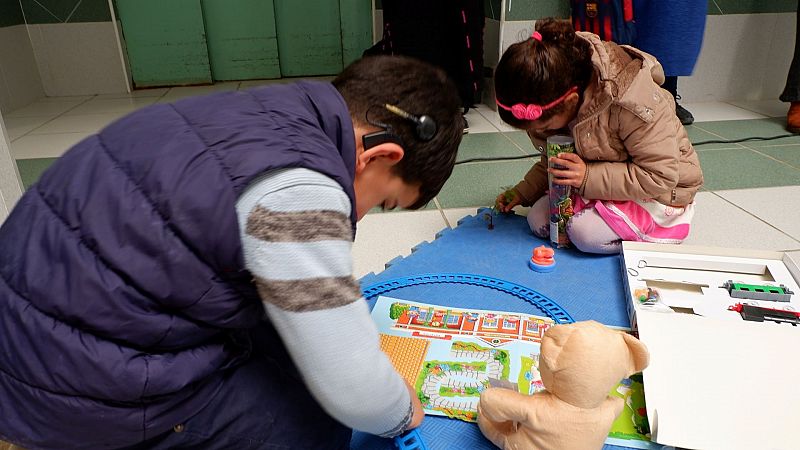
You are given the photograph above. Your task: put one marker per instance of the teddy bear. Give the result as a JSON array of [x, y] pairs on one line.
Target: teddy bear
[[580, 363]]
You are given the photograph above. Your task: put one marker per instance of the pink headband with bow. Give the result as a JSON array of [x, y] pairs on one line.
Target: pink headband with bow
[[532, 112]]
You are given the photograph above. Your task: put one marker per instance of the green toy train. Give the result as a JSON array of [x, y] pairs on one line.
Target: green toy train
[[758, 291]]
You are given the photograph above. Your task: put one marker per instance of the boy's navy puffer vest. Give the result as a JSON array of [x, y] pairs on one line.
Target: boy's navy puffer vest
[[123, 291]]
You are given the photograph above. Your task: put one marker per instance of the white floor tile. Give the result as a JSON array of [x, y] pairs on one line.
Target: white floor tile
[[253, 83], [19, 126], [155, 92], [383, 236], [769, 108], [84, 123], [795, 257], [479, 124], [713, 111], [180, 92], [494, 118], [45, 108], [718, 223], [111, 105], [778, 206], [67, 98], [45, 145]]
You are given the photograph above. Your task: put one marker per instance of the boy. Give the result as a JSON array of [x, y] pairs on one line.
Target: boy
[[183, 278]]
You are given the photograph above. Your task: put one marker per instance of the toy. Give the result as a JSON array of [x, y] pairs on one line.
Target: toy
[[542, 259], [759, 314], [508, 197], [579, 363], [410, 441], [560, 200], [647, 296], [758, 291]]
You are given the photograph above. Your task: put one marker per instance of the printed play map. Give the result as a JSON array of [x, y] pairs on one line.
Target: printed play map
[[450, 355]]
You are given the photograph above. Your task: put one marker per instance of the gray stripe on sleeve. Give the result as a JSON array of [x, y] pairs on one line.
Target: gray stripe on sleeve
[[311, 294], [298, 226]]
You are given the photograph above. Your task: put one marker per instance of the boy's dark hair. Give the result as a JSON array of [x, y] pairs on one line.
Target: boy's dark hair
[[419, 89], [539, 72]]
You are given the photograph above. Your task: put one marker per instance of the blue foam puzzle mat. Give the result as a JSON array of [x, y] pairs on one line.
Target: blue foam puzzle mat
[[588, 287]]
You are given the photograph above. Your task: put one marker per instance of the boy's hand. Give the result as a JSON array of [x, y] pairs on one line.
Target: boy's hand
[[572, 172], [507, 200], [419, 413]]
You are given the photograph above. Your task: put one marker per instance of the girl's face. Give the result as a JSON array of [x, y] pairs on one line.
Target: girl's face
[[558, 121], [552, 125]]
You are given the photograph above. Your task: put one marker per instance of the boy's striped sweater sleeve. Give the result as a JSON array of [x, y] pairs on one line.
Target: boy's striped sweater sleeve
[[296, 237]]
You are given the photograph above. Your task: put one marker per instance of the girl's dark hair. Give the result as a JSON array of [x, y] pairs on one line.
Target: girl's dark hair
[[539, 72], [420, 89]]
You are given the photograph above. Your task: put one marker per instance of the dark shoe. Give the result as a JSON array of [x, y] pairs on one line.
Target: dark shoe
[[793, 118], [684, 116], [466, 125]]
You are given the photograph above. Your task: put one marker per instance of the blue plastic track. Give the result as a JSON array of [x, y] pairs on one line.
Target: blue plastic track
[[549, 307]]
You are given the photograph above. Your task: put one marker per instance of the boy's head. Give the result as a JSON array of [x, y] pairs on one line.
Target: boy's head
[[410, 99], [543, 70]]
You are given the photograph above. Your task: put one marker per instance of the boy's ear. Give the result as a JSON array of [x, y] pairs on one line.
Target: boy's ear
[[388, 152]]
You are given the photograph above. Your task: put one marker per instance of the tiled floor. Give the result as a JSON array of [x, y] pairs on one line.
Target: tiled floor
[[751, 198]]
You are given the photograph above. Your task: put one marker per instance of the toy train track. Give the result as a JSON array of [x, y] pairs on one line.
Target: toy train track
[[413, 440], [549, 307]]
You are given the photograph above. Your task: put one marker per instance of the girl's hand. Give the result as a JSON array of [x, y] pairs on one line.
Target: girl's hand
[[572, 172], [507, 200]]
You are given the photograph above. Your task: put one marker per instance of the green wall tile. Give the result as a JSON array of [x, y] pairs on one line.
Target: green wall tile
[[717, 7], [65, 11], [10, 13], [528, 10], [242, 40]]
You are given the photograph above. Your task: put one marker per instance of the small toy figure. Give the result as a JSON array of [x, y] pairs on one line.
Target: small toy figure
[[508, 196], [542, 259], [580, 363], [647, 296]]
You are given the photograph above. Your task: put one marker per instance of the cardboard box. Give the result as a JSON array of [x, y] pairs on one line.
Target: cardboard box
[[715, 381]]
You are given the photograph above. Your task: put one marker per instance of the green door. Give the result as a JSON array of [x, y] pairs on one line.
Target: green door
[[356, 23], [177, 42], [242, 42], [166, 42], [309, 37]]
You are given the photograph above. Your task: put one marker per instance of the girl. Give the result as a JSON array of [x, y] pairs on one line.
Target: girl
[[634, 174]]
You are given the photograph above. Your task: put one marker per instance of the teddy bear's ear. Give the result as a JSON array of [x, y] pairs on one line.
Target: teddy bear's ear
[[639, 353], [553, 341]]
